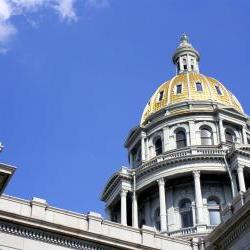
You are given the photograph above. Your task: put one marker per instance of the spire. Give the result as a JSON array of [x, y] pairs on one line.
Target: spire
[[186, 58]]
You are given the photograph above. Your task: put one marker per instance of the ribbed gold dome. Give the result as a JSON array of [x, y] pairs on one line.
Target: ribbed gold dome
[[166, 94]]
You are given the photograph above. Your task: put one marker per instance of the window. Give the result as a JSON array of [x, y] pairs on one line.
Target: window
[[185, 209], [199, 86], [160, 96], [178, 89], [181, 140], [213, 206], [185, 66], [192, 67], [230, 136], [157, 220], [206, 136], [158, 146], [218, 90]]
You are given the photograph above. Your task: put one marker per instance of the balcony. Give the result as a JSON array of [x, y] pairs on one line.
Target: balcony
[[185, 153]]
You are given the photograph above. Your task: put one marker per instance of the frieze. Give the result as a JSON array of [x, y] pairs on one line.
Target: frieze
[[48, 237]]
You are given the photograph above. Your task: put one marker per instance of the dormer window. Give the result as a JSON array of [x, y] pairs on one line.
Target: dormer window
[[218, 90], [160, 97], [178, 89], [199, 87]]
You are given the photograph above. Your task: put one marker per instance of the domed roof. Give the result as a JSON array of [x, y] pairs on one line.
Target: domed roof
[[190, 86]]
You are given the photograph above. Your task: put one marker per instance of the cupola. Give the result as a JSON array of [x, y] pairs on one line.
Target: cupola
[[186, 58]]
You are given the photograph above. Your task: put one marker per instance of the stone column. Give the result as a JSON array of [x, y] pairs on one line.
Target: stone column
[[163, 212], [134, 211], [198, 197], [240, 172], [221, 129], [143, 155], [134, 204], [124, 207], [244, 134], [146, 150]]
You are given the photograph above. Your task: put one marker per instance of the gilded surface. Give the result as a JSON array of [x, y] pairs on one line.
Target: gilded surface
[[190, 93]]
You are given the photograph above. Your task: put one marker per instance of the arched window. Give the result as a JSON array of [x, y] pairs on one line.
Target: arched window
[[157, 221], [181, 140], [158, 146], [213, 206], [206, 136], [230, 136], [185, 209]]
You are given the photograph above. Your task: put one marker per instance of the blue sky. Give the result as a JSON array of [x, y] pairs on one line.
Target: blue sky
[[75, 76]]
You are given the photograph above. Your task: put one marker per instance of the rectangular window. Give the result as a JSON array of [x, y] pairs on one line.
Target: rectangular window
[[161, 96], [178, 89], [218, 90], [185, 67], [199, 86]]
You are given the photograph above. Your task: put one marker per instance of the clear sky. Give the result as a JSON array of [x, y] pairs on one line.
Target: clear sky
[[75, 76]]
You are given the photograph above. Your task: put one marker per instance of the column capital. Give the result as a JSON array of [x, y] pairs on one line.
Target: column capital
[[123, 192], [240, 168], [196, 173], [161, 181]]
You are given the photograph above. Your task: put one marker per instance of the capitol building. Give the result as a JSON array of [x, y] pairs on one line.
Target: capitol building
[[186, 186]]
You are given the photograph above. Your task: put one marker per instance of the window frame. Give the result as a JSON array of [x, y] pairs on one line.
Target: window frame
[[186, 213], [176, 89], [204, 138], [158, 150], [201, 86], [160, 96], [218, 90], [179, 141], [231, 132], [214, 209]]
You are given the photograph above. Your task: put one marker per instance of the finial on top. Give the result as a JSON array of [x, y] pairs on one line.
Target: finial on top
[[184, 38]]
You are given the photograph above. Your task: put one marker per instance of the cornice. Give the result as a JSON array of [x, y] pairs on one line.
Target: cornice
[[48, 237], [114, 181]]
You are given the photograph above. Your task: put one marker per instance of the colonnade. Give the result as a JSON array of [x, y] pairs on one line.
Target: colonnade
[[162, 201]]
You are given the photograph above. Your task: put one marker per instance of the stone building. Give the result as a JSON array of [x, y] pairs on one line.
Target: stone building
[[185, 187]]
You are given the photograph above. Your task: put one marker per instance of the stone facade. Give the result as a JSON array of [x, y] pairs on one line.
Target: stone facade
[[188, 158], [186, 186]]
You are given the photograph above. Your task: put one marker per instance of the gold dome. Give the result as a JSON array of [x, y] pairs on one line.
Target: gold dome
[[211, 90]]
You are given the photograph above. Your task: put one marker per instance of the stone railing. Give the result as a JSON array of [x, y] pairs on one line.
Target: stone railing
[[204, 229], [185, 152], [184, 231]]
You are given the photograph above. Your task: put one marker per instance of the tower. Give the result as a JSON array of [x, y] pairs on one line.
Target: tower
[[188, 157]]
